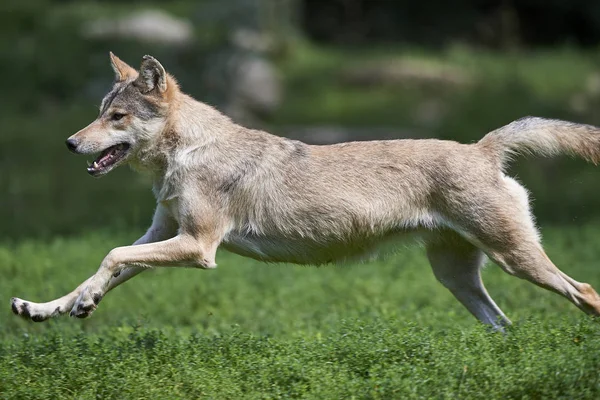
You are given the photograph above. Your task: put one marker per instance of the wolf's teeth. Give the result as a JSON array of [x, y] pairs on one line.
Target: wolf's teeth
[[95, 165]]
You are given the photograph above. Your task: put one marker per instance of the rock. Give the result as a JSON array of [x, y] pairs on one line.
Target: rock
[[430, 113], [579, 103], [592, 84], [255, 90], [400, 71], [252, 40], [152, 26]]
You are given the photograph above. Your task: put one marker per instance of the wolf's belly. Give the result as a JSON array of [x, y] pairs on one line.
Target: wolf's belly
[[307, 251]]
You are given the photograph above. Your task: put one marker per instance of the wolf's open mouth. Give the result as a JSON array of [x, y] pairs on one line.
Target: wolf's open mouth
[[108, 159]]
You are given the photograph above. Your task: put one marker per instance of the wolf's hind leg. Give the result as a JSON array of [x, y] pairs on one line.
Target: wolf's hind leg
[[456, 264], [527, 260], [505, 231]]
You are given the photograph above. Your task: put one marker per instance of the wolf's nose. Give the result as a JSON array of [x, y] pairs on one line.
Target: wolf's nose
[[71, 144]]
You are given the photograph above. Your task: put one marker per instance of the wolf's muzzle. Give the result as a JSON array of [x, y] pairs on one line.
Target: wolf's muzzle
[[72, 145]]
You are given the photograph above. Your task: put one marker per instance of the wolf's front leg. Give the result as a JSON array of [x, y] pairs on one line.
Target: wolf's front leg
[[163, 227], [39, 312], [181, 251]]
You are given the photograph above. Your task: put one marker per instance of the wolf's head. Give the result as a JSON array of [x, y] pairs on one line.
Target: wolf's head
[[131, 117]]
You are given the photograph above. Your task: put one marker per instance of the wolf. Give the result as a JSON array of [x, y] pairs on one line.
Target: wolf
[[217, 183]]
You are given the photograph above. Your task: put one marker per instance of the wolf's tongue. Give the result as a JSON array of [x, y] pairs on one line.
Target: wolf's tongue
[[108, 158], [109, 155], [105, 158]]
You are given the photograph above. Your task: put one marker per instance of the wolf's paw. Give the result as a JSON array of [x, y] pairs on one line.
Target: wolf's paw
[[85, 304], [29, 310]]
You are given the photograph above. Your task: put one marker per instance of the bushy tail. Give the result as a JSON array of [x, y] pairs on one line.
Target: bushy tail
[[546, 137]]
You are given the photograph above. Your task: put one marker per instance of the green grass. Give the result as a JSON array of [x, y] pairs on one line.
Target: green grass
[[251, 330]]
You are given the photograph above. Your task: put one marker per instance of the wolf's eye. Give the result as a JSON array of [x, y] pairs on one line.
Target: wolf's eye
[[117, 116]]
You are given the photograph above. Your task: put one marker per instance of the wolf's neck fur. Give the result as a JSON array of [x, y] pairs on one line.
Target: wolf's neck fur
[[197, 124], [190, 126], [194, 134]]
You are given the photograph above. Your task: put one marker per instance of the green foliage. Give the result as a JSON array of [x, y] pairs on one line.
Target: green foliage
[[250, 330], [366, 359]]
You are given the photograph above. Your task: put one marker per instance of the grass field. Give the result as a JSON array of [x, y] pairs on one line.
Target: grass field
[[250, 330]]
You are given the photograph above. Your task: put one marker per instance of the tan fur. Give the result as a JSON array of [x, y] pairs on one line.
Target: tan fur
[[545, 136], [122, 70], [172, 90], [278, 200]]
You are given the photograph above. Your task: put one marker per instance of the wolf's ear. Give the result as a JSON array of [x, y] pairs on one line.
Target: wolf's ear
[[152, 76], [122, 70]]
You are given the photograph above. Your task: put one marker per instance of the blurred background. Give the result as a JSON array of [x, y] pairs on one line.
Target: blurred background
[[322, 71]]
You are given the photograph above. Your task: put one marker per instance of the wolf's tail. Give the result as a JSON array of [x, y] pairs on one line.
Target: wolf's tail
[[546, 137]]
